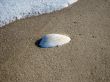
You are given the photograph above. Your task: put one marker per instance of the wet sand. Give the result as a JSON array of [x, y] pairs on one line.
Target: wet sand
[[85, 59]]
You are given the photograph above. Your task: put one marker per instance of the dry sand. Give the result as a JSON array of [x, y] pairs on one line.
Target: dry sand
[[85, 59]]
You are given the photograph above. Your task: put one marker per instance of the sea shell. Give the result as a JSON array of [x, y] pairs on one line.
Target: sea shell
[[53, 40]]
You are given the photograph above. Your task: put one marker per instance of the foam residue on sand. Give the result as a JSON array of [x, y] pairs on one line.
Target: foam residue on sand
[[11, 10]]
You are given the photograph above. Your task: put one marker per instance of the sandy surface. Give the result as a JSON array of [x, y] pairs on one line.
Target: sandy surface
[[85, 59]]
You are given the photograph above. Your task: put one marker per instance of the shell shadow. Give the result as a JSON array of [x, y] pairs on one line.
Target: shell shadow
[[37, 43]]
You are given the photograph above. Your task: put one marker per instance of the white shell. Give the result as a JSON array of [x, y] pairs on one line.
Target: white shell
[[53, 40]]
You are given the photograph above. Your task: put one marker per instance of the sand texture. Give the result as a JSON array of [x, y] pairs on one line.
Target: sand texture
[[85, 59]]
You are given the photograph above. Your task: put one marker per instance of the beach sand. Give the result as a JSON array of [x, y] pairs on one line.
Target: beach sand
[[85, 59]]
